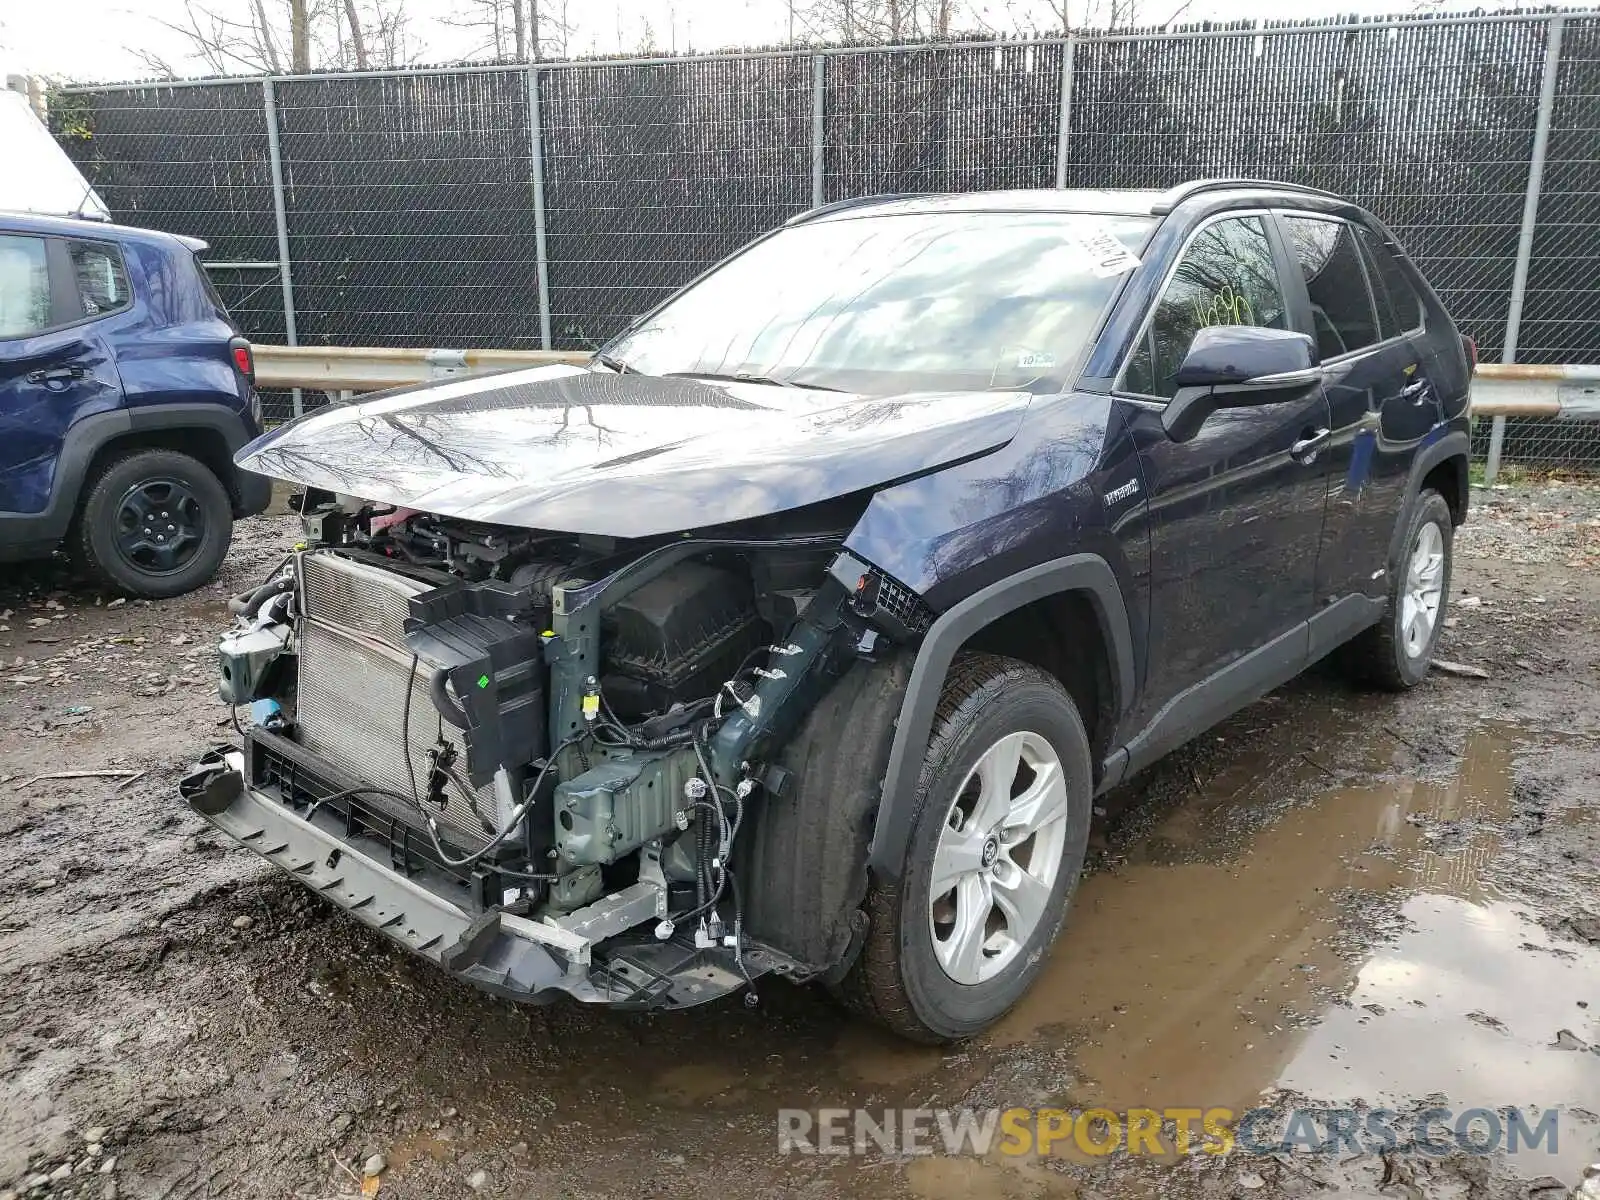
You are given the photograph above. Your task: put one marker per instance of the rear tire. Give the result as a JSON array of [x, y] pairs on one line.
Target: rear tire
[[1003, 804], [1395, 654], [154, 524]]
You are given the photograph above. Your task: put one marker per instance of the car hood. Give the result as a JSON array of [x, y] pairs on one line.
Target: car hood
[[565, 448]]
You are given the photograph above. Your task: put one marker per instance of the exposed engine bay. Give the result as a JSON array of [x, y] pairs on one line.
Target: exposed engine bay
[[559, 736]]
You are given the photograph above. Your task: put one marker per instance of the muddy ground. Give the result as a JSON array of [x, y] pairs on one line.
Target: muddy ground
[[1334, 898]]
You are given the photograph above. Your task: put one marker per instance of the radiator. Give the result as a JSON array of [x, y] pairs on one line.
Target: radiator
[[355, 672]]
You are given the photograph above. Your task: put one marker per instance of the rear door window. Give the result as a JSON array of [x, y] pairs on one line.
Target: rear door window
[[1342, 313], [102, 281], [1393, 285], [24, 286], [210, 287], [1227, 276]]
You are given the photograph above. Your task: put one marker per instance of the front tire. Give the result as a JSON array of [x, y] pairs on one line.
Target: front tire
[[997, 844], [1395, 654], [154, 523]]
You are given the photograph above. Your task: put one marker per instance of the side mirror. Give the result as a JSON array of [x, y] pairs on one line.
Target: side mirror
[[1232, 366], [1230, 355]]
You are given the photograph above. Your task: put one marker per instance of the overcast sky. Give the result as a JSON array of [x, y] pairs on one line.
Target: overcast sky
[[98, 39]]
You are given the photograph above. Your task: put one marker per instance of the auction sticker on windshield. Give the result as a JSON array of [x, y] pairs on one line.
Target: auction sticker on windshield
[[1107, 256]]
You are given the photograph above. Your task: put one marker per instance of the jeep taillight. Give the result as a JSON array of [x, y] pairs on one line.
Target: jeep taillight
[[243, 358], [1470, 345]]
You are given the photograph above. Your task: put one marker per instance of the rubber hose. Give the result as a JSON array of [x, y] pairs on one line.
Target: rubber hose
[[258, 600], [236, 604], [447, 705]]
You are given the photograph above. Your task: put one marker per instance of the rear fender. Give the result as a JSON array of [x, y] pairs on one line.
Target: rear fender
[[1454, 444]]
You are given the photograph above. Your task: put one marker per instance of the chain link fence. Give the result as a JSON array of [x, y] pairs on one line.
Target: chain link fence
[[652, 172], [549, 205], [1429, 126]]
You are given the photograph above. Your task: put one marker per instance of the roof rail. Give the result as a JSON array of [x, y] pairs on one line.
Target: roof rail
[[1177, 195], [852, 202]]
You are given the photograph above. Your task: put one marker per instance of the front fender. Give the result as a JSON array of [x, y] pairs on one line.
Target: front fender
[[1086, 573]]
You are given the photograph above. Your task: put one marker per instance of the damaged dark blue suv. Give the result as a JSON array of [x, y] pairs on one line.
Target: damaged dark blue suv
[[798, 631]]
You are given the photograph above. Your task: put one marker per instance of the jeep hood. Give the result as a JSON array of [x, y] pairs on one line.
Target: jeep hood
[[565, 448]]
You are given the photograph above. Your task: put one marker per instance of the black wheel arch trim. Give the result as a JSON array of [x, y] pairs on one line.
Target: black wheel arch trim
[[1087, 573], [31, 533], [1454, 444], [226, 421]]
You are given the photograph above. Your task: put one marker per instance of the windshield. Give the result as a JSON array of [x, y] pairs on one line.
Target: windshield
[[905, 302]]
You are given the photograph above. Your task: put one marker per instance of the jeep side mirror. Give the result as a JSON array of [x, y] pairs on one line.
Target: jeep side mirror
[[1234, 366]]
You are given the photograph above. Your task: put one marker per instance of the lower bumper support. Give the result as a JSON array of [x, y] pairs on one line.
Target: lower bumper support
[[508, 955]]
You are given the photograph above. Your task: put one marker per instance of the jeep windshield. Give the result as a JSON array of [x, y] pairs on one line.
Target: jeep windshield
[[901, 302]]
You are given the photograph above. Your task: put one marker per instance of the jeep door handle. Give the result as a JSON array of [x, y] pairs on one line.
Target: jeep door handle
[[56, 375], [1306, 448]]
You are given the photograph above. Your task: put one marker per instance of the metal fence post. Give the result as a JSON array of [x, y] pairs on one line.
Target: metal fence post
[[819, 90], [1530, 219], [1064, 128], [280, 220], [541, 252]]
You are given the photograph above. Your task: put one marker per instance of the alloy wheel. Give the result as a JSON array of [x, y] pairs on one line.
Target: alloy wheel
[[1424, 590], [997, 858]]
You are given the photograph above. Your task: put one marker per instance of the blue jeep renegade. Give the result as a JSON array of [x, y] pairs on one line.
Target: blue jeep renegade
[[125, 390]]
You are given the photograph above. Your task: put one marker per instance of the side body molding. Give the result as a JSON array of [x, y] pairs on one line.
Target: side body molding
[[1087, 573]]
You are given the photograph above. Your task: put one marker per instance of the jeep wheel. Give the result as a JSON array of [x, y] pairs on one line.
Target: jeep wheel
[[996, 847], [1395, 654], [155, 523]]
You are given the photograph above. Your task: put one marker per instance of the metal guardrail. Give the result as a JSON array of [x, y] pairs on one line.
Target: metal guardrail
[[1565, 392], [1569, 392], [370, 369]]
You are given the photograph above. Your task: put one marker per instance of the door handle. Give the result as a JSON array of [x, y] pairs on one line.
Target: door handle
[[57, 375], [1416, 391], [1306, 448]]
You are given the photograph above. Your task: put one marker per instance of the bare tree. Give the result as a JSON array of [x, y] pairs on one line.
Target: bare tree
[[386, 28], [911, 20], [554, 18], [877, 20], [269, 45], [358, 45], [223, 44], [1035, 17], [299, 36], [516, 30], [229, 36]]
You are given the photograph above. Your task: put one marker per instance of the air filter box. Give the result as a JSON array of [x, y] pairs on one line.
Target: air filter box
[[677, 638]]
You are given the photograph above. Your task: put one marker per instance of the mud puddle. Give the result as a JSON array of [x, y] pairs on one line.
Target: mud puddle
[[1356, 949]]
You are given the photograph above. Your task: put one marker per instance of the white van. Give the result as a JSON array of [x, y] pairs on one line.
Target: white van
[[38, 177]]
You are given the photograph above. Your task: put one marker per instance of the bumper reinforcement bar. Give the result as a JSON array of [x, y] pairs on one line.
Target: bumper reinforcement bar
[[508, 955]]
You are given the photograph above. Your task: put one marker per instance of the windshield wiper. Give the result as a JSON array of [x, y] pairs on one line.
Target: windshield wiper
[[749, 377], [616, 364]]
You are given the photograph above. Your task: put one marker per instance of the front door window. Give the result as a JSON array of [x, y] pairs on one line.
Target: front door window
[[1227, 276], [24, 286]]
